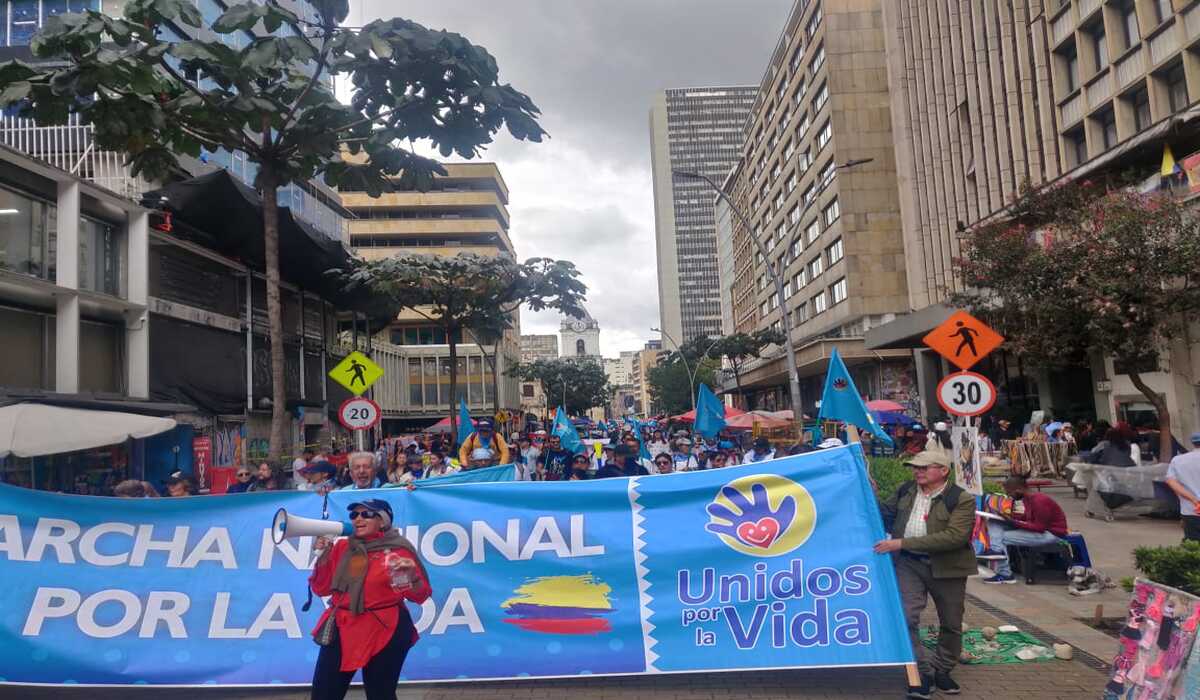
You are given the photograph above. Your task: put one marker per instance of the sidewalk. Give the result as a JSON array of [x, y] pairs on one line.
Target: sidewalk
[[1111, 548]]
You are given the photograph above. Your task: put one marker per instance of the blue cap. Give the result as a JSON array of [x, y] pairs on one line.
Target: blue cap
[[319, 466], [375, 505], [1196, 438]]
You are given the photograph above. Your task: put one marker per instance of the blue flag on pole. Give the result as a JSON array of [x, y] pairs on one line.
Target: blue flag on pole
[[841, 400], [565, 430], [465, 427], [636, 426], [710, 412]]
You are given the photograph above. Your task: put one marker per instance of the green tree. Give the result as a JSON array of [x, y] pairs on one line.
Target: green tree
[[670, 386], [576, 384], [154, 98], [1084, 268], [469, 291], [739, 347]]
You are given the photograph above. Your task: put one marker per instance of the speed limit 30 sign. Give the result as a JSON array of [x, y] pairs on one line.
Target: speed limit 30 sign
[[359, 413], [966, 394]]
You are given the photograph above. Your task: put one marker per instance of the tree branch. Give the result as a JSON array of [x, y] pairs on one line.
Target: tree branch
[[326, 45], [248, 142]]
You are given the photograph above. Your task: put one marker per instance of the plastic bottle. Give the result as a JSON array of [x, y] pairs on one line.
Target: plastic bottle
[[401, 577]]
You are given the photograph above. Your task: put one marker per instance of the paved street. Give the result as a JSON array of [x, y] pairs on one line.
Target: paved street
[[1051, 680]]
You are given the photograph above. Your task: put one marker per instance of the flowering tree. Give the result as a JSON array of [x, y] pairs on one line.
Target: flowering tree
[[1082, 268]]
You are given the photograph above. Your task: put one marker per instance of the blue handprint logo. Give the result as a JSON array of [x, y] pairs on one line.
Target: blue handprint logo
[[764, 515]]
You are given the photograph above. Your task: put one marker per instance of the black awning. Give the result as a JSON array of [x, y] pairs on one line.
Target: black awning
[[226, 217]]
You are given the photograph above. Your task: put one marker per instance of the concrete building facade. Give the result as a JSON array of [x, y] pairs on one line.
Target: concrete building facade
[[579, 338], [639, 376], [817, 182], [536, 347], [465, 211], [988, 95], [695, 130]]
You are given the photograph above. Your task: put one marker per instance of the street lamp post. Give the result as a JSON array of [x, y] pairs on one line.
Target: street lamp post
[[776, 279]]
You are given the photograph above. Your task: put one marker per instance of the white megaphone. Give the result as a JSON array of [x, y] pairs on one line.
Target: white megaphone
[[290, 526]]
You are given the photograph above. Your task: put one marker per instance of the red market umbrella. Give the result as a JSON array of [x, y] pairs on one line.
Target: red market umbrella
[[884, 405], [690, 416], [443, 426]]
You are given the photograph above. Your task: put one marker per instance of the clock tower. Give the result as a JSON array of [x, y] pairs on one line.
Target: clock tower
[[579, 337]]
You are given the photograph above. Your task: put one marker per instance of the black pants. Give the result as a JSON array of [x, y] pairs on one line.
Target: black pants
[[1191, 527], [380, 675]]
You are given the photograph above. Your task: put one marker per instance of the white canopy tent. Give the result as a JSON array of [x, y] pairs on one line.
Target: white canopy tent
[[33, 430]]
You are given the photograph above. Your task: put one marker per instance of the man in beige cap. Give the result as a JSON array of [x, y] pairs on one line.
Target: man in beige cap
[[930, 523]]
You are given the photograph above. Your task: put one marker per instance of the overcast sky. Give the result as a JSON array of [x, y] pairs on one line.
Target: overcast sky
[[592, 66]]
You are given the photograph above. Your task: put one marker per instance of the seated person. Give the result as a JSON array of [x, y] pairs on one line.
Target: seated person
[[1042, 522]]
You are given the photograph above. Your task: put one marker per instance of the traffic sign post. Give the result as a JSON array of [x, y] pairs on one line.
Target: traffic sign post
[[963, 340], [359, 414], [966, 394], [356, 372]]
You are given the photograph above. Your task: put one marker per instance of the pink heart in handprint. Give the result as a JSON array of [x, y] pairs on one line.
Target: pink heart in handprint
[[759, 534]]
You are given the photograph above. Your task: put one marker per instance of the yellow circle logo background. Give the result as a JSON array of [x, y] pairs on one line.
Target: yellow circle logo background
[[791, 534]]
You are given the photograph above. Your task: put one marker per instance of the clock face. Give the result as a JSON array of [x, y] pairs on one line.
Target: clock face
[[578, 326]]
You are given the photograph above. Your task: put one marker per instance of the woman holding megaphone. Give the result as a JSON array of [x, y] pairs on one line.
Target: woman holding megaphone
[[369, 576]]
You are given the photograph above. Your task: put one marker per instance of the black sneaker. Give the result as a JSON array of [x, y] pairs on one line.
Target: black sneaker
[[946, 684], [923, 691]]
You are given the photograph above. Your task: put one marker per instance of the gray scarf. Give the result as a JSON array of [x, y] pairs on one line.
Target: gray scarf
[[351, 570]]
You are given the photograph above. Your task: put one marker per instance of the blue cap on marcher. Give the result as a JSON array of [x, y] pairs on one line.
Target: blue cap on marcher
[[1196, 438], [375, 505]]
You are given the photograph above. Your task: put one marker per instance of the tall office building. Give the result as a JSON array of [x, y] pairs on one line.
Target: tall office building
[[988, 95], [697, 130], [465, 210], [817, 184]]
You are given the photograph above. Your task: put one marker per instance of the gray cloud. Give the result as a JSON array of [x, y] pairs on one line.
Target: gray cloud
[[593, 67]]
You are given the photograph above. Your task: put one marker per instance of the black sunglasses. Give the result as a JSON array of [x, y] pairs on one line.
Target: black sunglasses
[[662, 461], [356, 514], [243, 474]]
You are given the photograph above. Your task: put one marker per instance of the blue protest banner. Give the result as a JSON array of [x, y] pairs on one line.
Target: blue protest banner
[[754, 567]]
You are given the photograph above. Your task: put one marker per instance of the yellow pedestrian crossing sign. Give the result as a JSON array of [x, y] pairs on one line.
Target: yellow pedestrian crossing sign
[[357, 373]]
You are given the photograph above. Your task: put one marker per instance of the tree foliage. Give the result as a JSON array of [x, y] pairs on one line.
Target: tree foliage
[[670, 387], [1082, 268], [155, 98], [582, 382], [735, 349], [471, 292]]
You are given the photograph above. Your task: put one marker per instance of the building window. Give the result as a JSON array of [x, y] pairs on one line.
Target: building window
[[825, 135], [787, 289], [814, 22], [580, 347], [1107, 122], [815, 267], [1076, 147], [1099, 45], [810, 193], [1141, 109], [800, 91], [1070, 62], [1129, 24], [818, 59], [806, 160], [811, 233], [794, 214], [1162, 10], [828, 173], [838, 291], [821, 98], [422, 335], [796, 248], [789, 149], [800, 280], [797, 56], [802, 127], [792, 181], [26, 240], [1177, 91], [835, 252], [819, 304], [764, 309], [831, 213], [800, 313], [527, 391]]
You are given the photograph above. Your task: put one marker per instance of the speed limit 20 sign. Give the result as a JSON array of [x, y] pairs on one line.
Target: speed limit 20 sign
[[966, 394], [359, 413]]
